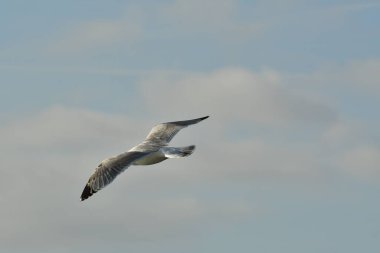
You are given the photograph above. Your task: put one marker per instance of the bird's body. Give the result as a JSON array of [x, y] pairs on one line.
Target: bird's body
[[153, 149], [151, 158]]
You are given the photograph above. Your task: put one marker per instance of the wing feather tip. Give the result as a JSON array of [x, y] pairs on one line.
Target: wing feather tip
[[87, 192]]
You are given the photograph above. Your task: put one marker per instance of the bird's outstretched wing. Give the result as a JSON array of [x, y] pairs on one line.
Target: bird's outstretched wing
[[107, 171], [162, 134]]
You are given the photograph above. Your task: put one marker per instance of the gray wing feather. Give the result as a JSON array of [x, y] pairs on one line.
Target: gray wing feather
[[163, 133], [107, 172]]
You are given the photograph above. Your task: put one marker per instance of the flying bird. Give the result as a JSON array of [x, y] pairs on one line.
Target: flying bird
[[153, 149]]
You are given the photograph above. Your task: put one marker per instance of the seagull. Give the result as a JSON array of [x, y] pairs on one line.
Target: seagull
[[153, 149]]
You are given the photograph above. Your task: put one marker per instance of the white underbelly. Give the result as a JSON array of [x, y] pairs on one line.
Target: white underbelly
[[152, 158]]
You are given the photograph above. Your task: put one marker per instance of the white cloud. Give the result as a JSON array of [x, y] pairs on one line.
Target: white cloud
[[234, 94], [241, 102], [363, 74], [353, 77], [362, 162], [60, 127], [256, 158], [344, 134]]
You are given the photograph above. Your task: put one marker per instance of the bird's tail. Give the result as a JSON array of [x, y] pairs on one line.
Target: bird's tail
[[178, 152]]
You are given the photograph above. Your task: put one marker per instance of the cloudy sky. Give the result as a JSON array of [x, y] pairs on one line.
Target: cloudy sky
[[289, 160]]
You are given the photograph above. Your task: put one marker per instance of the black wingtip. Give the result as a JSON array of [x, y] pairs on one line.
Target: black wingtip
[[201, 119], [188, 122], [87, 192]]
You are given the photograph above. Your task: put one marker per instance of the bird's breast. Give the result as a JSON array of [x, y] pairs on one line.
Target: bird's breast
[[152, 158]]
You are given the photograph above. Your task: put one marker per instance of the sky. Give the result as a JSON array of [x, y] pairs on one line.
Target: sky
[[289, 160]]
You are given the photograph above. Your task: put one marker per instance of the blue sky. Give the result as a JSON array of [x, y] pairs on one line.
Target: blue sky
[[288, 161]]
